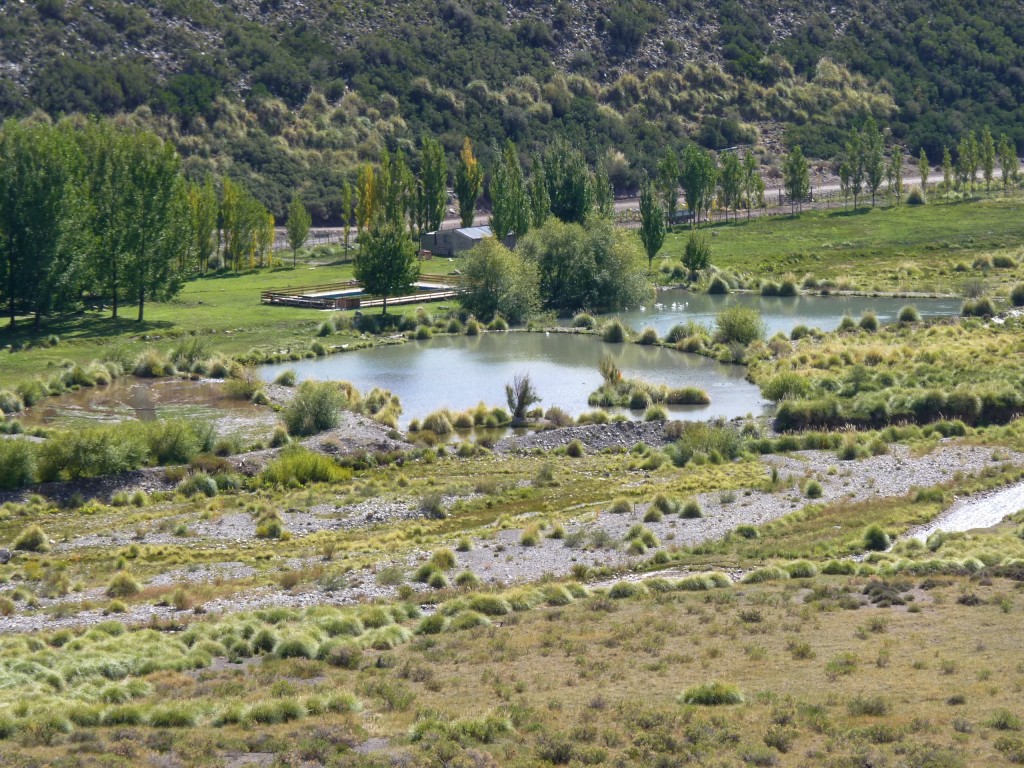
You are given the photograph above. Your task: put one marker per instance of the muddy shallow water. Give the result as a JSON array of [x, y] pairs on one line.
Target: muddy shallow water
[[130, 398], [982, 511]]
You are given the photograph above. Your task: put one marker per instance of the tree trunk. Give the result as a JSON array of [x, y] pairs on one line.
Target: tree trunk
[[384, 306], [142, 302]]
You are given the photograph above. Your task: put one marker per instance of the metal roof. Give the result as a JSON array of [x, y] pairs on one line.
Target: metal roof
[[475, 233]]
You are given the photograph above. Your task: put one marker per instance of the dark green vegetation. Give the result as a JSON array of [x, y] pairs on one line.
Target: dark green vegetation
[[287, 96]]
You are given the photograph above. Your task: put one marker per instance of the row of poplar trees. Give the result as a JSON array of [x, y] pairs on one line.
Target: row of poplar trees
[[92, 209]]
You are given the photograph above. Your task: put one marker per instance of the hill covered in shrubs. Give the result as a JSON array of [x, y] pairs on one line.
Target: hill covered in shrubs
[[282, 95]]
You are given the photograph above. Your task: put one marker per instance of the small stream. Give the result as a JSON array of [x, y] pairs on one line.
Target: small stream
[[981, 511]]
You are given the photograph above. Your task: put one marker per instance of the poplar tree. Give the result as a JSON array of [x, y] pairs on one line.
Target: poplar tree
[[652, 221], [202, 203], [510, 203], [796, 178], [540, 200], [346, 211], [1008, 162], [667, 183], [923, 169], [297, 226], [855, 164], [874, 158], [730, 183], [894, 175], [569, 188], [697, 178], [753, 182], [469, 180], [434, 181], [604, 194], [366, 201], [947, 169], [987, 155]]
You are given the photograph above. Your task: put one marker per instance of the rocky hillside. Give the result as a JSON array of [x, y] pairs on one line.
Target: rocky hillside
[[290, 93]]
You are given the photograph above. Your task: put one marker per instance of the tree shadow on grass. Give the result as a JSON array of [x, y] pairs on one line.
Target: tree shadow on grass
[[89, 325]]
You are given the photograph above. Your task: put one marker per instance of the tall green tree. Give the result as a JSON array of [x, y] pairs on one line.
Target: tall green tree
[[796, 178], [987, 155], [894, 175], [604, 194], [540, 199], [346, 211], [844, 181], [391, 184], [386, 264], [923, 169], [568, 178], [496, 280], [1008, 162], [39, 215], [202, 203], [973, 158], [963, 164], [244, 221], [947, 170], [855, 163], [753, 182], [697, 176], [297, 226], [874, 158], [434, 181], [730, 183], [510, 203], [667, 183], [158, 227], [469, 183], [366, 200], [652, 221]]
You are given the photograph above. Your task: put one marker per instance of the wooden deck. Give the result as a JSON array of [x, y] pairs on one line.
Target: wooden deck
[[327, 296]]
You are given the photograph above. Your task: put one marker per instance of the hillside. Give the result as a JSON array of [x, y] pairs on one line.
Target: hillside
[[285, 94]]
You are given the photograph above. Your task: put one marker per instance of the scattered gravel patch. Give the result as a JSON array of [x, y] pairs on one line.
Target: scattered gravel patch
[[596, 437]]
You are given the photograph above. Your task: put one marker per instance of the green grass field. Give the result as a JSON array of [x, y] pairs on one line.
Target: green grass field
[[883, 249]]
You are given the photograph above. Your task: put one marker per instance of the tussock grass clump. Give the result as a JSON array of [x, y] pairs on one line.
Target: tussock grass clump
[[869, 322], [489, 605], [315, 407], [468, 620], [173, 716], [274, 712], [712, 695], [979, 307], [769, 573], [802, 569], [286, 378], [691, 510], [623, 590], [909, 314], [296, 647], [621, 506], [32, 539], [298, 466], [614, 333], [123, 585], [876, 539], [739, 324], [648, 337], [1017, 295], [813, 490], [583, 320]]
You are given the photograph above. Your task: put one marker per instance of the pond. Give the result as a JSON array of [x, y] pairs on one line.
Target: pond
[[148, 399], [458, 372], [780, 313]]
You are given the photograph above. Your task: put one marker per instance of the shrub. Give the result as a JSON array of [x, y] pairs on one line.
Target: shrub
[[909, 314], [123, 585], [869, 322], [17, 463], [769, 289], [916, 197], [813, 490], [10, 402], [32, 539], [296, 647], [583, 320], [788, 288], [298, 466], [876, 539], [648, 336], [315, 407], [1017, 295], [846, 324], [786, 386], [173, 716], [443, 559], [626, 589], [614, 332], [489, 605], [655, 413], [761, 575], [1003, 261], [801, 570], [739, 324], [469, 620], [94, 451], [691, 510], [687, 396], [712, 695], [574, 449], [200, 483], [980, 307], [286, 378], [718, 286], [621, 506], [697, 253], [438, 422], [875, 706]]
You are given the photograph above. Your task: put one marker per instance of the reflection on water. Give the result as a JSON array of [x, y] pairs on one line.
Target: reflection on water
[[149, 399], [780, 313], [460, 371]]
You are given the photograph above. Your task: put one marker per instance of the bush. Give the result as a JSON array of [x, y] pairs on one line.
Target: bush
[[788, 288], [909, 314], [614, 332], [691, 510], [200, 483], [876, 539], [697, 254], [123, 585], [10, 402], [801, 570], [621, 506], [296, 647], [655, 413], [17, 463], [583, 320], [299, 466], [739, 324], [769, 289], [469, 620], [869, 322], [916, 197], [173, 716], [712, 695], [286, 378], [846, 324], [94, 451], [718, 286], [574, 449], [648, 337], [980, 307], [315, 407], [1017, 295], [626, 589], [761, 575], [1003, 261], [32, 539], [813, 490]]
